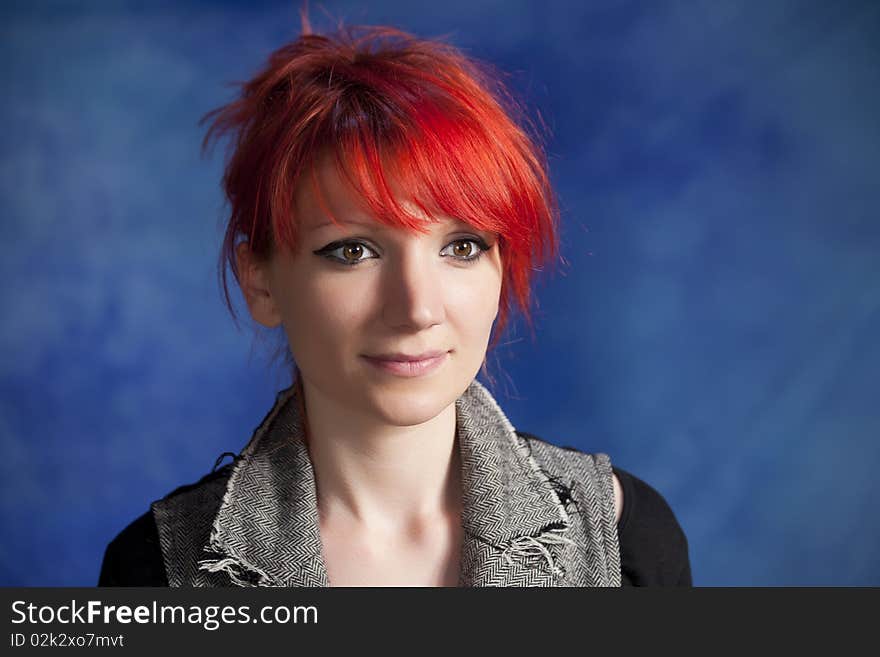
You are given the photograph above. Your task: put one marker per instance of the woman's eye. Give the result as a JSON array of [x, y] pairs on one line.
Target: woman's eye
[[467, 249], [347, 253]]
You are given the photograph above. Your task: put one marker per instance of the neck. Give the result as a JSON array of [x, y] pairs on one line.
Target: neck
[[380, 476]]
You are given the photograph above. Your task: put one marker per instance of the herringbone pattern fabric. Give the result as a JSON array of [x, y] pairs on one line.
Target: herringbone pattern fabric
[[533, 514]]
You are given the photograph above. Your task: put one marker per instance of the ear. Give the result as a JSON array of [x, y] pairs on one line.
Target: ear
[[253, 274]]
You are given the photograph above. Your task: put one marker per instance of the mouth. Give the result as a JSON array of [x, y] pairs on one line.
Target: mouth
[[408, 366]]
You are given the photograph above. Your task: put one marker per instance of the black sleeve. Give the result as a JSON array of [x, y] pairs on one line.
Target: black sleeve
[[134, 557], [653, 546]]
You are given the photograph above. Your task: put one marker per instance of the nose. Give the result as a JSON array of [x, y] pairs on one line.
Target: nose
[[413, 291]]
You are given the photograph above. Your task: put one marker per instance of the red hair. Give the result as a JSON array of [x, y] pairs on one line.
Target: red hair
[[390, 108]]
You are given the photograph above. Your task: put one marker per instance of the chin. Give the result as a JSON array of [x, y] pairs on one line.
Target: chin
[[414, 405]]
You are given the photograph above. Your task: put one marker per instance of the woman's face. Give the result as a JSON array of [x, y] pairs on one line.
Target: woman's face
[[349, 295]]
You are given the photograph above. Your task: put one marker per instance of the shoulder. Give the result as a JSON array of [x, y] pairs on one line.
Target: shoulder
[[568, 467], [568, 461], [570, 454], [134, 556], [206, 493], [653, 545]]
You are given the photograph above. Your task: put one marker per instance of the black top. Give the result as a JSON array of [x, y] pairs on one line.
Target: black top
[[653, 547]]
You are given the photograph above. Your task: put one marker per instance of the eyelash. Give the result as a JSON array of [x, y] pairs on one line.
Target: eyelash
[[335, 246]]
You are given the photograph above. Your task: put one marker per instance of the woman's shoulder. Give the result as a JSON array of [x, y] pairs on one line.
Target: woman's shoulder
[[653, 545], [134, 556]]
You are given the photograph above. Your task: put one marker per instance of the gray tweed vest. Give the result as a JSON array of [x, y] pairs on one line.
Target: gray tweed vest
[[533, 514]]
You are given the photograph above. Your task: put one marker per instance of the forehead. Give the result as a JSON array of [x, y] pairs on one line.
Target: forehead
[[365, 221], [325, 192]]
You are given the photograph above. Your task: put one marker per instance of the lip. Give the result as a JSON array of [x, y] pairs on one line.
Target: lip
[[404, 358], [408, 366]]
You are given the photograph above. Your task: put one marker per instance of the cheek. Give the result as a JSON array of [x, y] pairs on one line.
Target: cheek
[[325, 316], [474, 306]]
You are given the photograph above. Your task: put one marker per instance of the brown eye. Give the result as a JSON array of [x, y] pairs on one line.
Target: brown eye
[[466, 250], [463, 248], [349, 253], [353, 252]]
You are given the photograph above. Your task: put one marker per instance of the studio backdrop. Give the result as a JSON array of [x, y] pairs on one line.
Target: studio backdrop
[[713, 327]]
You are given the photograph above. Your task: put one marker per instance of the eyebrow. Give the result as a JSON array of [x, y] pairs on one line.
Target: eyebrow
[[367, 224], [374, 224]]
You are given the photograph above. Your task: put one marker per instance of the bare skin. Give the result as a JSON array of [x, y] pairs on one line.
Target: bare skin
[[424, 552], [618, 498]]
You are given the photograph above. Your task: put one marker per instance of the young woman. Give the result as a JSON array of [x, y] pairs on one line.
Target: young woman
[[387, 210]]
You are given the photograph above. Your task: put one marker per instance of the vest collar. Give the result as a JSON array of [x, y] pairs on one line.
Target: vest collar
[[267, 533]]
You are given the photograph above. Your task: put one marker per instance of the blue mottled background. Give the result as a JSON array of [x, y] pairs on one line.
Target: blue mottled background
[[715, 329]]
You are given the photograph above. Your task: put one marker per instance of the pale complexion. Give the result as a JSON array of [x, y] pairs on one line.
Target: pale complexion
[[383, 447]]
